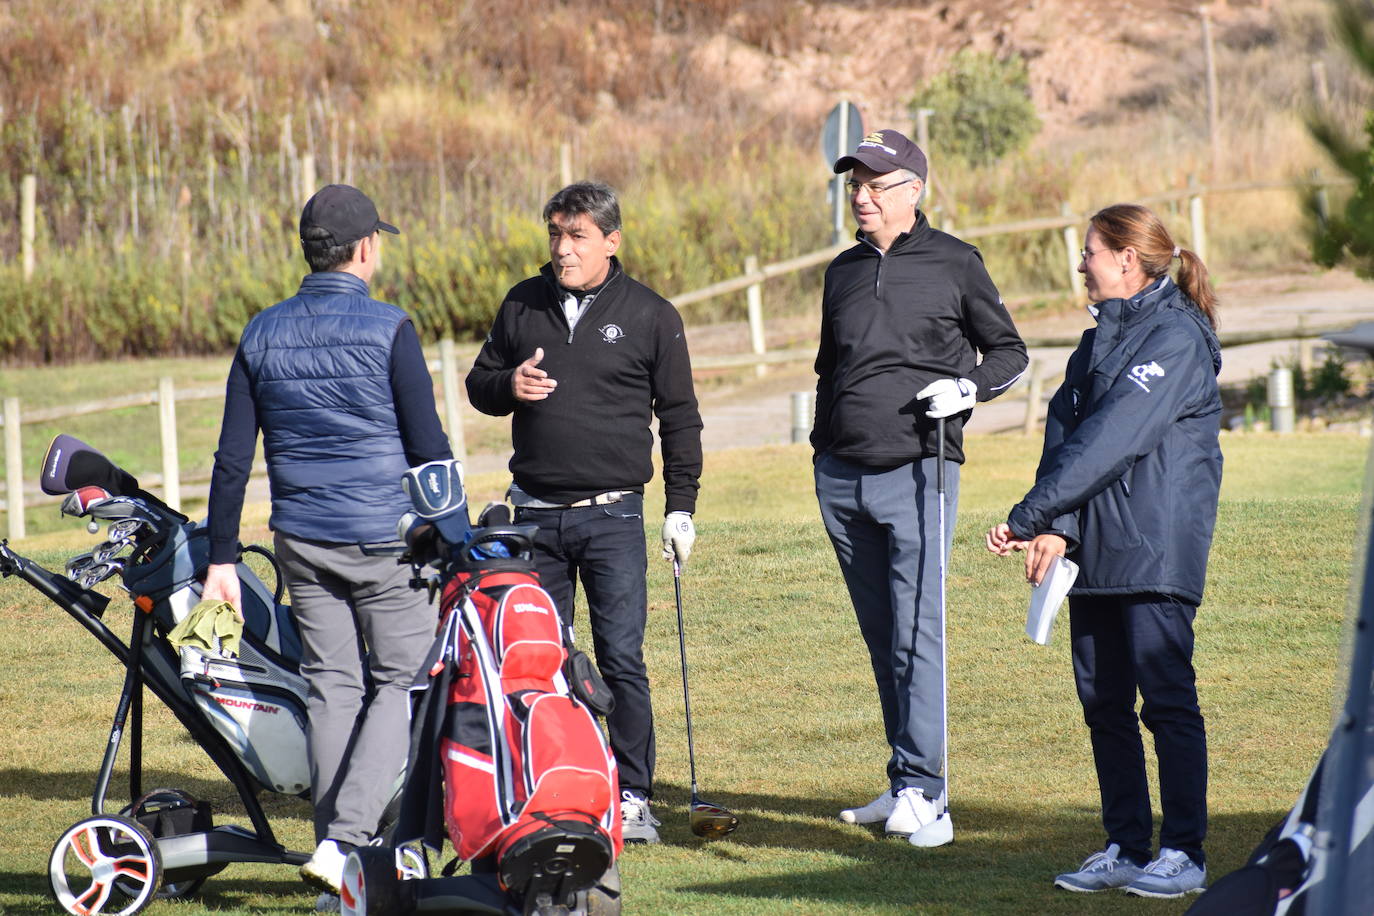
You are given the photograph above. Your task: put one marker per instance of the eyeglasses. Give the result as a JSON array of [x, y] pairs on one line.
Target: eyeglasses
[[874, 190], [1087, 255]]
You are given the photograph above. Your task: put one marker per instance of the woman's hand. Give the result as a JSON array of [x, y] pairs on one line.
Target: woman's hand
[[1002, 542], [1040, 552]]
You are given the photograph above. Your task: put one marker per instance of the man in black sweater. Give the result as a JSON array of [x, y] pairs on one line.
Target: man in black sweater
[[582, 355], [905, 316]]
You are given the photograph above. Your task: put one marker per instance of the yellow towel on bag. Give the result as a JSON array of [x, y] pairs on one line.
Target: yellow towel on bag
[[212, 626]]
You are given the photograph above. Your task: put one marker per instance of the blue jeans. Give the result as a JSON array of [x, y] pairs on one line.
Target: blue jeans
[[884, 524], [604, 547], [1125, 643]]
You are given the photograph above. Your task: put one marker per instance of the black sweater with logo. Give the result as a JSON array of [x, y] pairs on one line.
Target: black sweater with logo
[[893, 323], [624, 363]]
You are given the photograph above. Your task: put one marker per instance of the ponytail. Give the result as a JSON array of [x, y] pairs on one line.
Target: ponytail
[[1195, 283]]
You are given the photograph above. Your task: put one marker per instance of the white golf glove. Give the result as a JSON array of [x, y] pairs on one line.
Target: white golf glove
[[949, 396], [678, 536]]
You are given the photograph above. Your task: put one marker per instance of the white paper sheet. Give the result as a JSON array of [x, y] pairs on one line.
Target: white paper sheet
[[1047, 597]]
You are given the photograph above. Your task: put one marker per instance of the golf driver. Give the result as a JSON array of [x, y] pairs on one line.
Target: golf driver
[[944, 668], [707, 819]]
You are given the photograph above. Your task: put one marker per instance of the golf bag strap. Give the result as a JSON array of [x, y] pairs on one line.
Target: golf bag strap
[[419, 818]]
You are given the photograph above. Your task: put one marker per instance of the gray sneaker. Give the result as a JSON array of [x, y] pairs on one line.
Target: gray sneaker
[[637, 823], [1101, 871], [1173, 874]]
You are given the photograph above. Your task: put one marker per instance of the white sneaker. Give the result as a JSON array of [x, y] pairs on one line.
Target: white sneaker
[[325, 868], [637, 823], [919, 820], [871, 813]]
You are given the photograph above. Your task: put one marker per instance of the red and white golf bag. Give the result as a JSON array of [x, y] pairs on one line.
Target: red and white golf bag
[[529, 784], [520, 751]]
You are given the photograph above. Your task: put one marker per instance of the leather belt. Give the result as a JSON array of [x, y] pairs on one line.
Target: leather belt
[[600, 499]]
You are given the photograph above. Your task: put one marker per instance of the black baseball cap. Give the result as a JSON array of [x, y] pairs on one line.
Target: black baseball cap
[[885, 151], [344, 212]]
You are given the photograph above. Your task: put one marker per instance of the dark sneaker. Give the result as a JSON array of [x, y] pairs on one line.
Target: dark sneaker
[[637, 823], [1173, 874], [1101, 871]]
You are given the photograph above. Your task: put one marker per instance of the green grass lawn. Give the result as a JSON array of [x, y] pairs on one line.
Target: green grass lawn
[[786, 718]]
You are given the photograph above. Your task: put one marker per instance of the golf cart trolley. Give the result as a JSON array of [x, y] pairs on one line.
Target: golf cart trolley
[[246, 712]]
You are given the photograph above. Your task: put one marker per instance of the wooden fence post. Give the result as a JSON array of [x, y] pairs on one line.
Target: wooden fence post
[[1034, 389], [28, 221], [171, 458], [1196, 218], [801, 416], [1073, 254], [923, 141], [754, 298], [453, 398], [1320, 199], [309, 184], [565, 168], [14, 470], [1213, 115]]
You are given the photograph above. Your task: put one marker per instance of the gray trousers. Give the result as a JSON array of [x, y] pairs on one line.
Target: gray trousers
[[884, 525], [358, 616]]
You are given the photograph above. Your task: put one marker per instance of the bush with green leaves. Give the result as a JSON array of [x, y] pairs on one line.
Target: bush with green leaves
[[1348, 236], [982, 106]]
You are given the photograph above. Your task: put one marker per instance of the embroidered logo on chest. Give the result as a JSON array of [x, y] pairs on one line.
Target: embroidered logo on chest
[[611, 332], [1145, 372]]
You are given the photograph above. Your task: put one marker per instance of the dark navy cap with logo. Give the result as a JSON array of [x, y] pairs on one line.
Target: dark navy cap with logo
[[343, 213], [885, 151]]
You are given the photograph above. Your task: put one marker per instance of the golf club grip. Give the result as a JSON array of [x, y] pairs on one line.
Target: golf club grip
[[940, 456], [686, 696]]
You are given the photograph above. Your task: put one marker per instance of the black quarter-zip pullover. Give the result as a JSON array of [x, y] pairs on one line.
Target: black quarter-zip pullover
[[892, 323], [624, 363]]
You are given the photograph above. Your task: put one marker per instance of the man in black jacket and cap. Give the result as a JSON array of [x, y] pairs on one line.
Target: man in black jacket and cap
[[912, 331]]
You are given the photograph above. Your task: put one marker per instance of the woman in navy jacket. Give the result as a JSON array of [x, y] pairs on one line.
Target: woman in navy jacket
[[1127, 488]]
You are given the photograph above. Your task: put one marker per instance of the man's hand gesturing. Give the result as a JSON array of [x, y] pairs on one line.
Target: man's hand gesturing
[[530, 383]]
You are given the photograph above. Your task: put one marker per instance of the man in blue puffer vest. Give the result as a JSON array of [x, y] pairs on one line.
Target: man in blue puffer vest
[[337, 383]]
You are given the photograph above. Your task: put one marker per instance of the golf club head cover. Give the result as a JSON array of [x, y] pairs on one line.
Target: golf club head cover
[[436, 492], [71, 464]]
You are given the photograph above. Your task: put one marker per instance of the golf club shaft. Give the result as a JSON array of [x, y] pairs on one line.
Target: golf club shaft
[[944, 669], [686, 695]]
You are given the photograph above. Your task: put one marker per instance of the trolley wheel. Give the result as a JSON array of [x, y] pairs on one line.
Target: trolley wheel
[[411, 862], [604, 898], [371, 885], [107, 865]]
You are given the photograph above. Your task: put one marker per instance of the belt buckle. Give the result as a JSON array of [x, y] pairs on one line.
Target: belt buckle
[[610, 498]]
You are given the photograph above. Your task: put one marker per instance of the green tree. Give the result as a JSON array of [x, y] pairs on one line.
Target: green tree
[[982, 107], [1348, 236]]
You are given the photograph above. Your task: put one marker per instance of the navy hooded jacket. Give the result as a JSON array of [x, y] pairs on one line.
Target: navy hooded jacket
[[1131, 468]]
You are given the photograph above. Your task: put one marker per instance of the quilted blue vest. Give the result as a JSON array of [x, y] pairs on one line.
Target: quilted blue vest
[[320, 367]]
